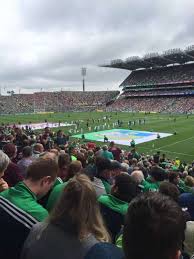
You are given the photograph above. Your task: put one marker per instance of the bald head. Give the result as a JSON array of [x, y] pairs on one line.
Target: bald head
[[138, 176]]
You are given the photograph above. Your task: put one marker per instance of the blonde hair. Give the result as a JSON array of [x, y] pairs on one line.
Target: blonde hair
[[189, 181], [78, 207]]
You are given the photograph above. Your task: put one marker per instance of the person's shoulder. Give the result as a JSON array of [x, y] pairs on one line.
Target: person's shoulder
[[4, 193], [54, 196], [103, 197], [12, 165], [59, 187], [104, 251], [186, 195], [33, 208]]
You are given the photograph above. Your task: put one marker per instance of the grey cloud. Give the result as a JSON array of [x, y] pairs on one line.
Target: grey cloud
[[52, 39]]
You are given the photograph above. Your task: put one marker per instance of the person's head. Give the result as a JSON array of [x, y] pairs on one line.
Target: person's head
[[63, 160], [82, 158], [79, 210], [73, 150], [189, 181], [10, 150], [27, 152], [74, 168], [174, 177], [116, 168], [137, 176], [124, 167], [124, 187], [47, 130], [40, 175], [90, 153], [112, 144], [154, 228], [4, 162], [18, 131], [158, 174], [59, 133], [105, 147], [103, 166], [38, 148], [134, 161], [48, 155], [170, 190], [184, 174], [55, 151]]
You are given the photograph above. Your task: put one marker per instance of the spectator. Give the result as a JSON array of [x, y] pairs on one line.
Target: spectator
[[189, 181], [63, 163], [105, 153], [133, 165], [25, 161], [12, 174], [189, 238], [116, 151], [76, 217], [19, 209], [37, 150], [74, 168], [21, 139], [170, 190], [4, 162], [73, 153], [152, 183], [186, 201], [115, 205], [60, 139], [46, 139], [103, 168], [157, 223], [116, 168], [137, 176], [125, 167]]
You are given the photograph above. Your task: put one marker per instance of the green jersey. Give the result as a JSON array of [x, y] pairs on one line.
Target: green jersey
[[55, 195], [150, 186], [22, 197], [113, 203]]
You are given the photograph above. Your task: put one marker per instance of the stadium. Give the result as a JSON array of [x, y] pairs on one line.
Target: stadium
[[62, 150], [159, 91]]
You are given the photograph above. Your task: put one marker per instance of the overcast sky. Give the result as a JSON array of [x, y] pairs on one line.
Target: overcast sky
[[44, 43]]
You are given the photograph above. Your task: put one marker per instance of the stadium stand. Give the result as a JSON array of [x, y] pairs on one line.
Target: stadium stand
[[55, 101], [167, 80]]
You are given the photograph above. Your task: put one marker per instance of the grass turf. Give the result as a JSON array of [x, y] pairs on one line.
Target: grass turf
[[181, 145]]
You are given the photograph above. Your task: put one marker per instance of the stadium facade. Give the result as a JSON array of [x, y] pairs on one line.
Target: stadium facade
[[157, 82]]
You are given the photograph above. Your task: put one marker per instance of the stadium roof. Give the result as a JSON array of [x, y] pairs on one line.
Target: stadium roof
[[172, 56]]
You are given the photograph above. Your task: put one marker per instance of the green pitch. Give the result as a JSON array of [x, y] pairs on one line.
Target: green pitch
[[180, 145]]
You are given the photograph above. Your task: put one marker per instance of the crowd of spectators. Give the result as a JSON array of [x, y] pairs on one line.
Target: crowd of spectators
[[55, 101], [163, 75], [171, 104], [162, 92], [70, 199]]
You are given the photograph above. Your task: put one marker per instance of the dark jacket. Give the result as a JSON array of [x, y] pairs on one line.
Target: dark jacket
[[15, 225], [113, 211], [186, 201], [50, 242]]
